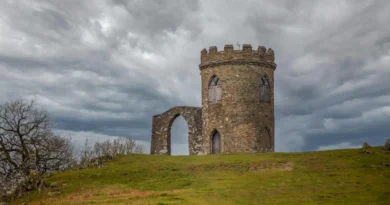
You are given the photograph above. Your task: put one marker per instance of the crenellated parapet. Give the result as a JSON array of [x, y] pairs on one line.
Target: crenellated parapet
[[247, 55]]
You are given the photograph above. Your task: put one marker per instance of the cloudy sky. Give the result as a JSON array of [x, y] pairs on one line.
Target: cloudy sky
[[103, 68]]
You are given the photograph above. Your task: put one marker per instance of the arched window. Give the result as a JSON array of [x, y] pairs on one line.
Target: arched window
[[215, 90], [265, 90]]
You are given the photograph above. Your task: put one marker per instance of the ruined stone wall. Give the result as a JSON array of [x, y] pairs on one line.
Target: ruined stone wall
[[245, 124], [161, 130]]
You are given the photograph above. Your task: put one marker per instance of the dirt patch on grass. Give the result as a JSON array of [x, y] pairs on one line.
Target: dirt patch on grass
[[124, 193], [314, 164], [272, 166], [239, 166], [106, 194]]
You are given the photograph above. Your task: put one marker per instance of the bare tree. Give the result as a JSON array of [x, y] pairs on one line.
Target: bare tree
[[117, 146], [96, 155], [85, 154], [139, 149], [27, 143]]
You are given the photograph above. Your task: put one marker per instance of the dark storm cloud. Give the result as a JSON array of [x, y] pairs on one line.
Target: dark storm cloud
[[138, 129], [337, 66], [105, 68], [71, 66]]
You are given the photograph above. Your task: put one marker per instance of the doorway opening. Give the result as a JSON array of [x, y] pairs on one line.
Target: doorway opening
[[215, 143], [179, 136]]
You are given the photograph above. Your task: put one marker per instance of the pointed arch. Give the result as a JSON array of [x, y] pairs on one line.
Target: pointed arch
[[265, 89], [171, 141], [215, 142], [214, 80], [215, 90]]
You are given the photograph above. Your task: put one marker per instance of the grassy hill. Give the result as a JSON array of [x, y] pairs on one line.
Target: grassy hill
[[323, 177]]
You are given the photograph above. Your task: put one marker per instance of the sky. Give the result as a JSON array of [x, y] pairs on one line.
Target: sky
[[103, 68]]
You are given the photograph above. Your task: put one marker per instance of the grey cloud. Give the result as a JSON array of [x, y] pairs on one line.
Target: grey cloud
[[339, 146], [105, 68], [350, 53], [158, 15]]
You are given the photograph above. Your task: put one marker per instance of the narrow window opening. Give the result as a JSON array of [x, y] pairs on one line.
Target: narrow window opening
[[265, 90], [215, 90]]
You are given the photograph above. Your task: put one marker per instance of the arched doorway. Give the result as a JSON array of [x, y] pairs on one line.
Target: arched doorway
[[178, 131], [215, 143]]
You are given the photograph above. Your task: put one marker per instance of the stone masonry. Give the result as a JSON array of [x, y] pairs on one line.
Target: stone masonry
[[161, 128], [244, 121]]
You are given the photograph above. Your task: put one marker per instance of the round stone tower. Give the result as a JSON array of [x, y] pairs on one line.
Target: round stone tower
[[238, 100]]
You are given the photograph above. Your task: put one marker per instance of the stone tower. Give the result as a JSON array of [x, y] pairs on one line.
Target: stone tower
[[237, 113], [238, 110]]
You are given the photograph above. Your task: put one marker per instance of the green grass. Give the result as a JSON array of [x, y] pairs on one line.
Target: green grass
[[323, 177]]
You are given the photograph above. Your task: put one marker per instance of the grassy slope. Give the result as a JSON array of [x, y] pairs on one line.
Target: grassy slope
[[325, 177]]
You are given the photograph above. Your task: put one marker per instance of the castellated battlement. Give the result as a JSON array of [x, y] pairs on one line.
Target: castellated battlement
[[229, 55]]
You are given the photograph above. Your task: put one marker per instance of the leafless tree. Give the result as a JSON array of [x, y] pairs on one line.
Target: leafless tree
[[117, 146], [27, 143], [85, 154], [103, 150]]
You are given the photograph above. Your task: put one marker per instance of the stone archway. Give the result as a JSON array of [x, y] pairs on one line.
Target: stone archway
[[161, 130], [176, 120]]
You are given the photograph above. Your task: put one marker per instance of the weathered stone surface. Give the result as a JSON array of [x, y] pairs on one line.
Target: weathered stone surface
[[387, 145], [244, 122]]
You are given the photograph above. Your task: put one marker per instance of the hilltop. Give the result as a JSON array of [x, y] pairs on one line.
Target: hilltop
[[347, 176]]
